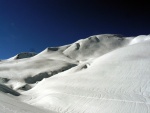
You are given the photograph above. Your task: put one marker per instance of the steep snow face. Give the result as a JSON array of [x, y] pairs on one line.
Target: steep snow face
[[102, 73], [117, 82]]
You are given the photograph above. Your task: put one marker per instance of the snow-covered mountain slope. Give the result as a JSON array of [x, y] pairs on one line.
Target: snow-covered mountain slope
[[117, 82], [22, 73], [100, 74]]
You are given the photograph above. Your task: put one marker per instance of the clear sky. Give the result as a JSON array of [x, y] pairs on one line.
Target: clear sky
[[33, 25]]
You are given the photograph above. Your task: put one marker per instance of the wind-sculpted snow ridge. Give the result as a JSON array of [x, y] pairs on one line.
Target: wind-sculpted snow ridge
[[100, 74]]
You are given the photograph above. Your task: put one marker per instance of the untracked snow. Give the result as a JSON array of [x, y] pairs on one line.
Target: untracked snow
[[100, 74]]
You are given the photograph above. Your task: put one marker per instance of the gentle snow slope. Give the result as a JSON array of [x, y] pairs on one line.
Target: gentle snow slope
[[9, 105], [100, 74]]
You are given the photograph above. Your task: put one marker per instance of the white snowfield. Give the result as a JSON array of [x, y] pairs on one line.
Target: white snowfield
[[100, 74]]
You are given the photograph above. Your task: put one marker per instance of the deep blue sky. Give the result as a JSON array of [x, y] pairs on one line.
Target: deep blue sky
[[33, 25]]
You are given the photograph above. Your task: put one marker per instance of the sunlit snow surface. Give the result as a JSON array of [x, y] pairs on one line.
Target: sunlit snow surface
[[99, 74]]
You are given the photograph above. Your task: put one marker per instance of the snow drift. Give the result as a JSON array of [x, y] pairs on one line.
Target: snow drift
[[100, 74]]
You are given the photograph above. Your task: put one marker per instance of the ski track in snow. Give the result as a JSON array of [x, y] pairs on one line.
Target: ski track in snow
[[88, 97]]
